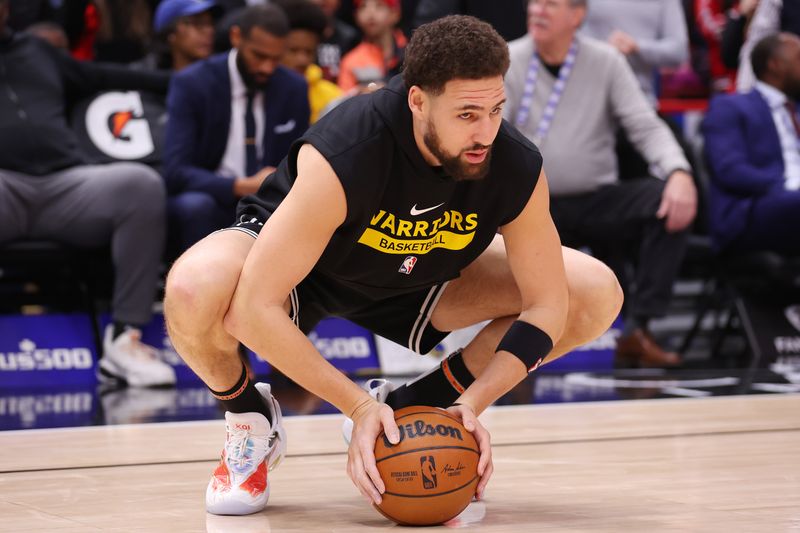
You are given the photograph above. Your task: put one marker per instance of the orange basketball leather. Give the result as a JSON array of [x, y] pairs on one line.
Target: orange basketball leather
[[431, 474]]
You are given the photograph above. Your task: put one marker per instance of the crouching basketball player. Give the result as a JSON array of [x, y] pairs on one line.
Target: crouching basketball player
[[412, 211]]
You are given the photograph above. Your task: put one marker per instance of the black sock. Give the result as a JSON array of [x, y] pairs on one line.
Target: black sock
[[439, 387], [243, 397]]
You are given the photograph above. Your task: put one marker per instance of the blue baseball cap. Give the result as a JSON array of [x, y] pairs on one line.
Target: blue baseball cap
[[169, 10]]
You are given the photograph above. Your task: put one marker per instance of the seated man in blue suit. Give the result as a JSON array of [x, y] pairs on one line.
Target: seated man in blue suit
[[232, 118], [752, 144]]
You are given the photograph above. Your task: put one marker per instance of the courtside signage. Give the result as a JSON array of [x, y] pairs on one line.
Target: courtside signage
[[41, 350]]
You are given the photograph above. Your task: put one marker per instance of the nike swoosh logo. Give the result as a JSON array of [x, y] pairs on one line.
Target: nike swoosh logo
[[415, 211]]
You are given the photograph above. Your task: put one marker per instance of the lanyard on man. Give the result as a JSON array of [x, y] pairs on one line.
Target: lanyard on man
[[546, 119]]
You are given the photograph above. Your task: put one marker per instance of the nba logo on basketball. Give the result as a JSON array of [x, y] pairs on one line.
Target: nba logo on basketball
[[408, 265], [428, 468]]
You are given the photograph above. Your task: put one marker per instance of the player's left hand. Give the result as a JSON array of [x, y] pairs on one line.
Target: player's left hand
[[678, 202], [470, 421]]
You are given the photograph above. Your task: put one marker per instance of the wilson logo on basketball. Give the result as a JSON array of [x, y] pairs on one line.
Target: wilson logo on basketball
[[428, 468], [420, 429]]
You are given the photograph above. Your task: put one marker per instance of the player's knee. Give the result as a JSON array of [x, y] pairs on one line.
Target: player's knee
[[193, 295], [607, 298], [614, 295], [600, 300]]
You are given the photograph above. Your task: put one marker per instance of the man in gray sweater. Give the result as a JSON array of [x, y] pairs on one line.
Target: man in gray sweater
[[570, 94], [650, 34]]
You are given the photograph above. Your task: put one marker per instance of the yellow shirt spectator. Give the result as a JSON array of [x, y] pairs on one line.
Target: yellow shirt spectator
[[321, 92]]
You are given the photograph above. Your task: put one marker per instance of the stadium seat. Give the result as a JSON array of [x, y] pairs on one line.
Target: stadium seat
[[736, 286], [46, 274]]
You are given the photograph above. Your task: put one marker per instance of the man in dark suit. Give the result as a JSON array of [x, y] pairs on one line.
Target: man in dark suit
[[232, 118], [753, 150]]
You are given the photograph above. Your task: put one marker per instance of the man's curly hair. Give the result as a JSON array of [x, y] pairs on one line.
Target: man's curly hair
[[453, 47]]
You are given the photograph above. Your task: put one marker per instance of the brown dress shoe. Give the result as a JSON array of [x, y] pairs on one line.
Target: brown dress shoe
[[640, 349]]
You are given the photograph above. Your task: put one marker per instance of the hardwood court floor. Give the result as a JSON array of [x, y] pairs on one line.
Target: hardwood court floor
[[684, 465]]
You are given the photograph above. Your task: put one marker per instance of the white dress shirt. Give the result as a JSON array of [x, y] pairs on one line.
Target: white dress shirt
[[233, 163], [790, 143]]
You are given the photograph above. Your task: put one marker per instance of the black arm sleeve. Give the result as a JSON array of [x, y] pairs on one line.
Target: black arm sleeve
[[82, 78]]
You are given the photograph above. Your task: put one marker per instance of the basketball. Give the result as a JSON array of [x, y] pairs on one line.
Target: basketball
[[432, 473]]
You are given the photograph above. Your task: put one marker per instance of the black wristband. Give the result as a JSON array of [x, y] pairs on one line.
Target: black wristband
[[529, 343]]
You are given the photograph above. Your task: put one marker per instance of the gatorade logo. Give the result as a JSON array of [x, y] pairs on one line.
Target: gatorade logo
[[115, 124]]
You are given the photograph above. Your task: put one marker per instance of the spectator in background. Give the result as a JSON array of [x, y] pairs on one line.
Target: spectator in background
[[506, 16], [338, 39], [307, 23], [51, 33], [650, 33], [380, 54], [751, 144], [124, 31], [48, 191], [771, 16], [232, 118], [68, 15], [738, 15], [25, 13], [569, 94], [184, 33], [712, 17]]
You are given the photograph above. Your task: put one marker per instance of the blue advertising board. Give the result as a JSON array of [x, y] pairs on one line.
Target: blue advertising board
[[40, 350], [348, 347], [58, 349], [595, 356]]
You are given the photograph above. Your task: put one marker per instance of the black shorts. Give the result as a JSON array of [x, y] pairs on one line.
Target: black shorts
[[404, 318]]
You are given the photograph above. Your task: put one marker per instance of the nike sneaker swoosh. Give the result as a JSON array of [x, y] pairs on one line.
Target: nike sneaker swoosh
[[415, 211]]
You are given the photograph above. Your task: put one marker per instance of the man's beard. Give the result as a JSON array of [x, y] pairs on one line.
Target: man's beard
[[793, 90], [453, 165], [250, 82]]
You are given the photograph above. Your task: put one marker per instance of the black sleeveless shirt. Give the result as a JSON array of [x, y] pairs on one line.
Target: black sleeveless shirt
[[408, 227]]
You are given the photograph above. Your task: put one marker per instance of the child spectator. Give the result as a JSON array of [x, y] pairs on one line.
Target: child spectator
[[338, 39], [380, 54], [184, 33], [307, 24]]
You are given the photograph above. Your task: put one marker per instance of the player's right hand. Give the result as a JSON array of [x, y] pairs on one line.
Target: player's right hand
[[361, 467]]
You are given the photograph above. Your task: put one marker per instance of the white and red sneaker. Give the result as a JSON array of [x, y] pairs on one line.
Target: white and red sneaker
[[239, 484]]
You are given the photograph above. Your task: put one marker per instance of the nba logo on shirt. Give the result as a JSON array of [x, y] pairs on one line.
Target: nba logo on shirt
[[408, 265]]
